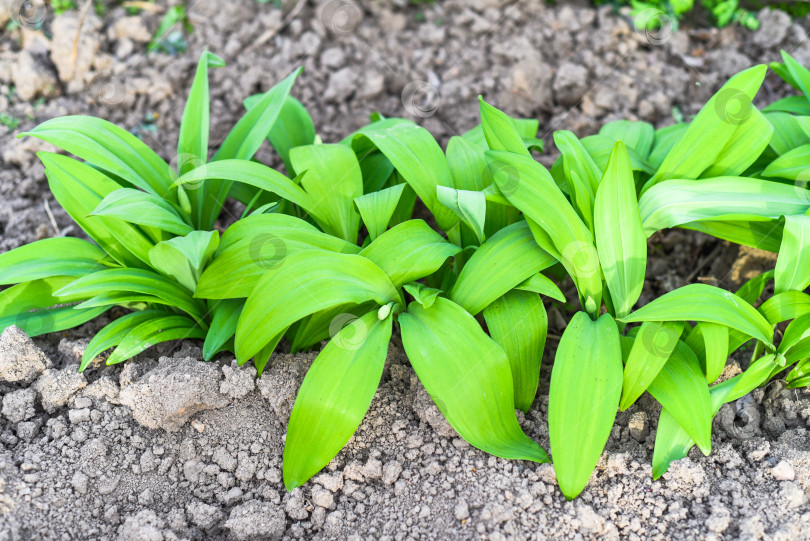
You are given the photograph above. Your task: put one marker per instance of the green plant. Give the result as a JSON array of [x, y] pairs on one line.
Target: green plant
[[152, 238], [331, 251]]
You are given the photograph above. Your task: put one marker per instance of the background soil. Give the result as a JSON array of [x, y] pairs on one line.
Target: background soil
[[168, 447]]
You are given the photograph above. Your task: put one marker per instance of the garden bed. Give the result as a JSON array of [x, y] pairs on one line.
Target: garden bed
[[168, 447]]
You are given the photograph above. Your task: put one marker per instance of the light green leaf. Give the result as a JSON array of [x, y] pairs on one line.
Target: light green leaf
[[539, 283], [470, 206], [765, 235], [112, 334], [79, 188], [500, 131], [192, 143], [377, 208], [681, 389], [302, 284], [335, 396], [517, 322], [710, 342], [255, 244], [712, 128], [36, 309], [153, 331], [252, 174], [332, 179], [60, 256], [422, 294], [138, 281], [652, 348], [184, 258], [409, 251], [530, 188], [789, 131], [417, 156], [701, 302], [793, 165], [468, 377], [109, 147], [467, 164], [635, 134], [504, 261], [793, 264], [293, 128], [586, 384], [785, 306], [620, 238], [747, 143], [675, 202], [137, 207]]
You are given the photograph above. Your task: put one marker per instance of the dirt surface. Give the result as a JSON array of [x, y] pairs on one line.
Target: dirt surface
[[168, 447]]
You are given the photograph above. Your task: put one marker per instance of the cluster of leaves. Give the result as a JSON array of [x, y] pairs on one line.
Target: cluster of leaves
[[331, 251]]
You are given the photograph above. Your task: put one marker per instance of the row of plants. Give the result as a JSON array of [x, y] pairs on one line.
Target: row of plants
[[330, 250]]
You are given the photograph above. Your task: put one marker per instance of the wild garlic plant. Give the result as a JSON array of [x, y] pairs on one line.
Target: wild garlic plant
[[330, 250]]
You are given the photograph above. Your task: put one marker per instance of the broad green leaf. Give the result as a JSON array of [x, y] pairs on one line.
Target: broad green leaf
[[377, 208], [311, 330], [712, 128], [752, 290], [109, 147], [765, 235], [530, 188], [60, 256], [467, 164], [153, 331], [137, 207], [756, 374], [795, 344], [470, 206], [599, 149], [377, 170], [671, 441], [293, 128], [305, 283], [409, 251], [665, 139], [468, 377], [681, 389], [335, 396], [112, 334], [793, 165], [582, 173], [799, 376], [192, 143], [652, 348], [242, 142], [504, 261], [79, 188], [183, 258], [793, 264], [518, 323], [586, 384], [796, 105], [799, 75], [702, 302], [252, 174], [417, 156], [36, 309], [526, 128], [620, 238], [138, 281], [635, 134], [332, 179], [500, 131], [253, 245], [789, 131], [785, 306], [539, 283], [710, 342], [749, 140], [676, 202]]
